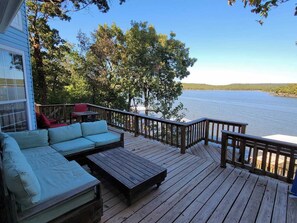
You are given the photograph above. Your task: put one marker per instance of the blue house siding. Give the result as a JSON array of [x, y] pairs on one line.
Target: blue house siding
[[19, 40]]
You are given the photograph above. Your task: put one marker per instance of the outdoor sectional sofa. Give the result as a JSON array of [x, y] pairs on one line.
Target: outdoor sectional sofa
[[41, 181]]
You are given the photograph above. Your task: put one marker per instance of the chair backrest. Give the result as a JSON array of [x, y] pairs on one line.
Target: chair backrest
[[45, 122], [80, 107]]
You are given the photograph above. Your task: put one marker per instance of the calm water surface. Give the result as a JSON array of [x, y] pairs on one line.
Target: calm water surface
[[265, 114]]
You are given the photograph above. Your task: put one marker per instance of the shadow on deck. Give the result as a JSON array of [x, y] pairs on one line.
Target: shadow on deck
[[197, 189]]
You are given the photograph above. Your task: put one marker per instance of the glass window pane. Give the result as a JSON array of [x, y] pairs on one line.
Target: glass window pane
[[13, 114], [13, 117], [11, 76]]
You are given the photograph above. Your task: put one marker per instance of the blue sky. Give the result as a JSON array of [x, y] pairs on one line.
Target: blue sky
[[231, 47]]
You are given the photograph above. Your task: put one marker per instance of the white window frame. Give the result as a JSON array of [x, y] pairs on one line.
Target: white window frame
[[29, 112]]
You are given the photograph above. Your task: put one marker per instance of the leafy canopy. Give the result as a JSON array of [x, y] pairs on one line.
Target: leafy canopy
[[136, 67], [261, 7]]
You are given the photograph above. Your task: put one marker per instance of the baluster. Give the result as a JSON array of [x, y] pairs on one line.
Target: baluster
[[218, 128], [242, 152], [206, 132], [145, 127], [177, 135], [269, 162], [234, 150], [276, 162], [189, 135], [153, 129], [212, 131], [284, 166], [264, 159], [171, 134], [255, 155], [158, 135]]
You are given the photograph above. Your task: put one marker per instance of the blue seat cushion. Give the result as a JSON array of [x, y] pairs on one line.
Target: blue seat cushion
[[60, 179], [104, 138], [43, 157], [30, 139], [64, 133], [73, 146], [93, 128]]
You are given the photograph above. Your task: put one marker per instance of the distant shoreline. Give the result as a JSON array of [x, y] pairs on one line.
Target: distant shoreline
[[278, 89], [285, 95]]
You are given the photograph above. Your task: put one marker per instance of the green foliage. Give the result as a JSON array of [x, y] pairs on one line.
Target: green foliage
[[48, 49], [247, 87], [289, 90], [140, 66], [261, 7], [113, 69], [157, 63]]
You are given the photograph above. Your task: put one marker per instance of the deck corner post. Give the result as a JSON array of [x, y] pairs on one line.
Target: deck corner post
[[224, 149], [136, 126], [206, 132], [291, 167], [183, 140], [37, 108]]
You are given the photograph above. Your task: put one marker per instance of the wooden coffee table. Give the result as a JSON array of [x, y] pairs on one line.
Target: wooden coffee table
[[129, 172]]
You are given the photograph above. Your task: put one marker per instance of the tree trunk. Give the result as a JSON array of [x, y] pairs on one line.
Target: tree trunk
[[146, 102], [129, 102], [40, 75]]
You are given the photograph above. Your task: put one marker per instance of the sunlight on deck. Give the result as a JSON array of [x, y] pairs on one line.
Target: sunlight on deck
[[197, 189]]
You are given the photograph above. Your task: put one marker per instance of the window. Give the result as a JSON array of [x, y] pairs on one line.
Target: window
[[17, 21], [13, 112]]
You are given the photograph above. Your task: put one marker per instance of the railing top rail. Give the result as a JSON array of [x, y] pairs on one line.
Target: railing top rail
[[186, 124], [52, 105], [151, 118], [227, 122], [262, 140]]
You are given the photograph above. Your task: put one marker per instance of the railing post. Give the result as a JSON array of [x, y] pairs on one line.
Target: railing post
[[206, 132], [183, 140], [224, 149], [136, 126], [37, 108], [64, 113], [291, 167], [108, 117], [243, 128]]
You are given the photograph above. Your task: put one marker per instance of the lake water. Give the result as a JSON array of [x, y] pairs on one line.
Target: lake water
[[265, 114]]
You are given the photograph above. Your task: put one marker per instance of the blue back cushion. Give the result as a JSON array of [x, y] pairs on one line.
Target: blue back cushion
[[93, 128], [65, 133], [19, 176], [31, 139]]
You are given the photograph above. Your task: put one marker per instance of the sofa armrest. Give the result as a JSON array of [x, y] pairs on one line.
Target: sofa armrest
[[59, 199], [120, 132]]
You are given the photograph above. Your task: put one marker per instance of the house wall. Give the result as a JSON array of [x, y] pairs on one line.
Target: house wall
[[17, 40]]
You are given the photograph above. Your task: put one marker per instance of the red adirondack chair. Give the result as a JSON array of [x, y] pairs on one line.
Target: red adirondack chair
[[44, 122]]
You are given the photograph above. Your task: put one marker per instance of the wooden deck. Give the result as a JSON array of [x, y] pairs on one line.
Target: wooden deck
[[197, 189]]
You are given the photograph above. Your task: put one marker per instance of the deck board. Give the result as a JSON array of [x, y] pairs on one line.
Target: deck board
[[197, 189]]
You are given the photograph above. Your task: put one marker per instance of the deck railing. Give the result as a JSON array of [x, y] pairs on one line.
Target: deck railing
[[179, 134], [262, 156]]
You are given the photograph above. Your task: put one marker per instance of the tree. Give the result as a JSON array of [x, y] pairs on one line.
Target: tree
[[136, 67], [45, 41], [261, 7], [157, 63]]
